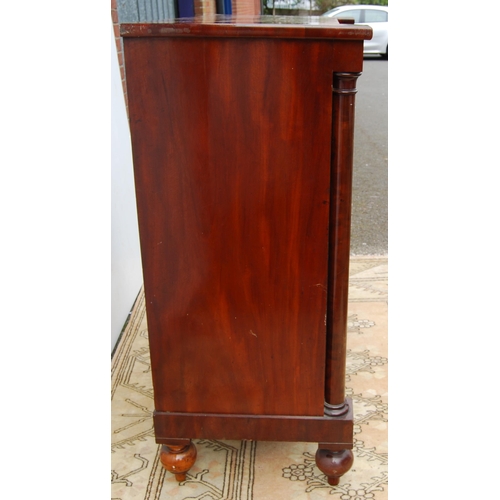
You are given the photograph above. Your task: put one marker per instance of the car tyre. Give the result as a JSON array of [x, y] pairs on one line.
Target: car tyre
[[386, 55]]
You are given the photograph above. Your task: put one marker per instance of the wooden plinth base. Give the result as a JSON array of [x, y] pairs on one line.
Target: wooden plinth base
[[337, 431], [334, 435]]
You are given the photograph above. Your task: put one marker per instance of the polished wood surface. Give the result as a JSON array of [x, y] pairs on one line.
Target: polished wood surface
[[244, 26], [178, 458], [334, 464], [242, 135], [236, 247], [344, 91], [333, 433]]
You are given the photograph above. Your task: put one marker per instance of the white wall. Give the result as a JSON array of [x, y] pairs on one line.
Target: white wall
[[126, 272]]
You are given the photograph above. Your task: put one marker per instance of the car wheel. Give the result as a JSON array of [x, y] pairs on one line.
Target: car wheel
[[386, 55]]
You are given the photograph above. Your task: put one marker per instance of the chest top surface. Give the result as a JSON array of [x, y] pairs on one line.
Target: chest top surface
[[218, 25]]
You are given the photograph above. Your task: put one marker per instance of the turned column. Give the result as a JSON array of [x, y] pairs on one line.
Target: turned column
[[178, 456], [344, 90], [330, 459]]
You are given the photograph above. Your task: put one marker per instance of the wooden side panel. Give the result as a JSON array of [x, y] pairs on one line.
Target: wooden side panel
[[231, 141]]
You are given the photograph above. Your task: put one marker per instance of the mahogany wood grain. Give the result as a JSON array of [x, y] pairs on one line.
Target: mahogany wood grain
[[233, 183], [178, 458], [344, 90], [242, 136], [334, 464], [333, 433], [244, 26]]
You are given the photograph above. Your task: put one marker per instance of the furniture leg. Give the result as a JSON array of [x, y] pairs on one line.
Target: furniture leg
[[178, 457], [334, 463]]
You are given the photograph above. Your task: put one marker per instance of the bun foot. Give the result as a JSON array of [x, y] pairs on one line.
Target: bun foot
[[334, 463], [178, 458]]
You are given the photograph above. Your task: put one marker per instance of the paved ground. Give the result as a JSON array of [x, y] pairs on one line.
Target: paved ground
[[369, 209]]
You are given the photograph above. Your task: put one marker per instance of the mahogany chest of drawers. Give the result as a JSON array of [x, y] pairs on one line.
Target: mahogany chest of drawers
[[242, 136]]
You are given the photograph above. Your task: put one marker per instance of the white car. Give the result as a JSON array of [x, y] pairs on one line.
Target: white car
[[376, 17]]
